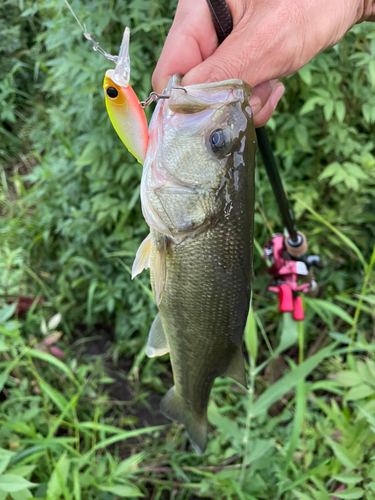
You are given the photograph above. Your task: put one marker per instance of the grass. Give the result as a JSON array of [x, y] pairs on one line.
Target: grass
[[79, 399], [304, 429]]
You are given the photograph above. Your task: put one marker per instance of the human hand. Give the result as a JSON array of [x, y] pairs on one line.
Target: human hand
[[270, 39]]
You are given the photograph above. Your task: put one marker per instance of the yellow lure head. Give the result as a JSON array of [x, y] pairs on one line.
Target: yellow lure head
[[127, 116]]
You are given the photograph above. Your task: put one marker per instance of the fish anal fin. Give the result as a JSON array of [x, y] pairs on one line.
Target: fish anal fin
[[159, 268], [173, 407], [236, 369], [142, 258], [157, 343]]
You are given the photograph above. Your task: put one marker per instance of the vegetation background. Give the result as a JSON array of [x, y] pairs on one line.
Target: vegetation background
[[78, 398]]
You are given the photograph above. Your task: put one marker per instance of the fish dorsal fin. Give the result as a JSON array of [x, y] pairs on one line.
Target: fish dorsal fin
[[142, 257], [159, 268], [157, 343], [236, 369]]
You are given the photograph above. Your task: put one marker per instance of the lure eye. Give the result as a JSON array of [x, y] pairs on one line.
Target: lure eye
[[217, 139], [112, 92]]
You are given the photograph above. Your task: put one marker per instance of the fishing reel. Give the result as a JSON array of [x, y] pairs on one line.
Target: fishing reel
[[287, 263]]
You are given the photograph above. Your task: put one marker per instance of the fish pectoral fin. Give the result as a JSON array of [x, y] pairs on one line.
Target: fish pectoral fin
[[157, 343], [174, 407], [142, 258], [159, 268], [236, 369]]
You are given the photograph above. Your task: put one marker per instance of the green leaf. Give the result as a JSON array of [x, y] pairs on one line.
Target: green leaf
[[3, 346], [123, 490], [7, 312], [367, 113], [370, 419], [348, 478], [368, 407], [289, 333], [342, 454], [251, 336], [129, 464], [259, 448], [371, 367], [352, 494], [340, 111], [88, 155], [359, 392], [310, 104], [371, 71], [328, 109], [90, 299], [5, 456], [355, 170], [23, 470], [21, 495], [347, 378], [301, 496], [58, 478], [305, 74], [77, 486], [331, 170], [11, 482], [302, 136]]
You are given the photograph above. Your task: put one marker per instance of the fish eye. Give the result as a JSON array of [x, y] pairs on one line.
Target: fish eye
[[217, 139], [220, 142], [112, 92]]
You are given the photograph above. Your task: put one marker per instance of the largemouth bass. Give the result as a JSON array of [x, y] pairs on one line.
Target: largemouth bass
[[197, 197]]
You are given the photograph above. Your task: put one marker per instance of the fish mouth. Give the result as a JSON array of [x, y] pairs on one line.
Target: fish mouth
[[196, 98]]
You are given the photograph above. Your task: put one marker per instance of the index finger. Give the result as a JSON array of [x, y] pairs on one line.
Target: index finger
[[191, 40]]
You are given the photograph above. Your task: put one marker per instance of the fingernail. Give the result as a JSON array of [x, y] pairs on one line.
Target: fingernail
[[255, 104], [277, 94]]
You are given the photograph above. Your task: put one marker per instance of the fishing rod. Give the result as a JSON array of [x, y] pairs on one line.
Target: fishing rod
[[223, 23], [284, 257]]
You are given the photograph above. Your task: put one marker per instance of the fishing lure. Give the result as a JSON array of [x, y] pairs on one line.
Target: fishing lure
[[123, 106], [124, 109]]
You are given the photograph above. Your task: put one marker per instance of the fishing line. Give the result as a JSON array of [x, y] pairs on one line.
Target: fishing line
[[95, 45]]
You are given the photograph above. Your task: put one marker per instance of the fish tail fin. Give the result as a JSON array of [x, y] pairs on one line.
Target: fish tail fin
[[173, 407]]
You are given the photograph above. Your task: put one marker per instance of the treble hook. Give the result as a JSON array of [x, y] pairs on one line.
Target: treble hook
[[153, 97]]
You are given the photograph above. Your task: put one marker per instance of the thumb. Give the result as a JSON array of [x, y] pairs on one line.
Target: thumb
[[224, 64]]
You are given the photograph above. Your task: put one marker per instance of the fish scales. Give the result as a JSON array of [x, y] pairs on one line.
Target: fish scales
[[199, 202]]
